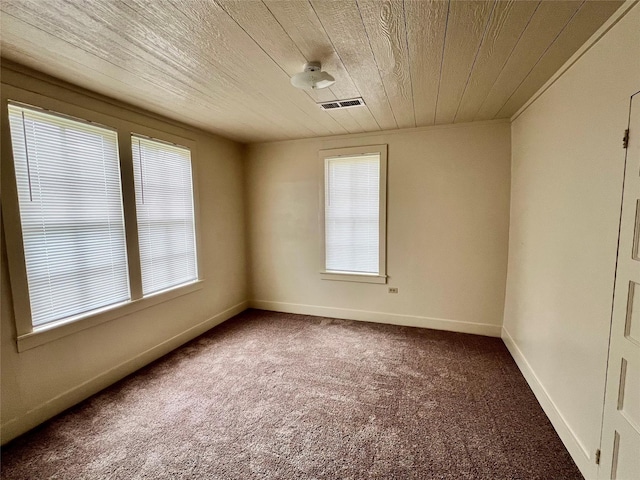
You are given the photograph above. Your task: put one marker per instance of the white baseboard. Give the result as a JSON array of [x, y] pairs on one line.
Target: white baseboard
[[19, 425], [381, 317], [580, 454]]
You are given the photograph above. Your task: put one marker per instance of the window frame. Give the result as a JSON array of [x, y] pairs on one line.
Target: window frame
[[381, 276], [193, 189], [28, 336]]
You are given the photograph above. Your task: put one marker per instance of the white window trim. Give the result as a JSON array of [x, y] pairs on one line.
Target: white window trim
[[27, 336], [55, 330], [381, 277]]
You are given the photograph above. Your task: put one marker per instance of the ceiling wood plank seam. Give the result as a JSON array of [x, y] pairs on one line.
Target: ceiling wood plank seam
[[225, 65]]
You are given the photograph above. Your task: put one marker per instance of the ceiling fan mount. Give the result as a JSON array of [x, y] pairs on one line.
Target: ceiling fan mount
[[312, 77]]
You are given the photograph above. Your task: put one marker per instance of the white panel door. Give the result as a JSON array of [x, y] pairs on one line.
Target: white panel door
[[621, 424]]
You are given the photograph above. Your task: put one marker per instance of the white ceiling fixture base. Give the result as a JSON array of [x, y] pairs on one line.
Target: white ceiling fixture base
[[312, 77]]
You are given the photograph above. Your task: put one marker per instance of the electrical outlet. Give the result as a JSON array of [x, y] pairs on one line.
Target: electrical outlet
[[393, 289]]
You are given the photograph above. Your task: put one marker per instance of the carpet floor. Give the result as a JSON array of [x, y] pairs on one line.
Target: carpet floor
[[279, 396]]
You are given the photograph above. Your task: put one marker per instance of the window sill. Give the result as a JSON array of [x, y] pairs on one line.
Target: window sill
[[353, 277], [62, 328]]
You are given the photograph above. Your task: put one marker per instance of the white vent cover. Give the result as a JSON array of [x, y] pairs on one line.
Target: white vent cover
[[338, 104]]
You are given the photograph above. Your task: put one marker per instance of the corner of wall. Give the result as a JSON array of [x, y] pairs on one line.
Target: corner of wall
[[245, 154], [577, 450], [606, 26]]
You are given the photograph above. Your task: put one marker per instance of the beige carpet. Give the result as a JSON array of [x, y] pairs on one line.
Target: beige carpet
[[270, 395]]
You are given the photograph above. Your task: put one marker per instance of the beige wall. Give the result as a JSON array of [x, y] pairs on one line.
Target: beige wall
[[567, 168], [447, 227], [448, 233], [42, 381]]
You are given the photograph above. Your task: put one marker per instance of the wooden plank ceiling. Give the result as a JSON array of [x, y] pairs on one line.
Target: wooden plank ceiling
[[225, 65]]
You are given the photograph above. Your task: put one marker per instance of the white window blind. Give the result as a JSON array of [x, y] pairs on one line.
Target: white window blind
[[352, 214], [164, 205], [70, 199]]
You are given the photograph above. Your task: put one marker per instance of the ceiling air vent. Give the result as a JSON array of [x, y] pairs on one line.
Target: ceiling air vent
[[338, 104], [330, 105]]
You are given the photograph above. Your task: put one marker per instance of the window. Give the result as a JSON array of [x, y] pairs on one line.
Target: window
[[100, 221], [354, 193], [68, 181], [164, 206]]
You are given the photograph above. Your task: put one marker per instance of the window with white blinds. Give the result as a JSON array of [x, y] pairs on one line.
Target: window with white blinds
[[70, 202], [352, 214], [165, 212]]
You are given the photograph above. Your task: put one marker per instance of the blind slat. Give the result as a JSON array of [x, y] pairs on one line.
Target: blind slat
[[164, 205], [352, 216], [70, 199]]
